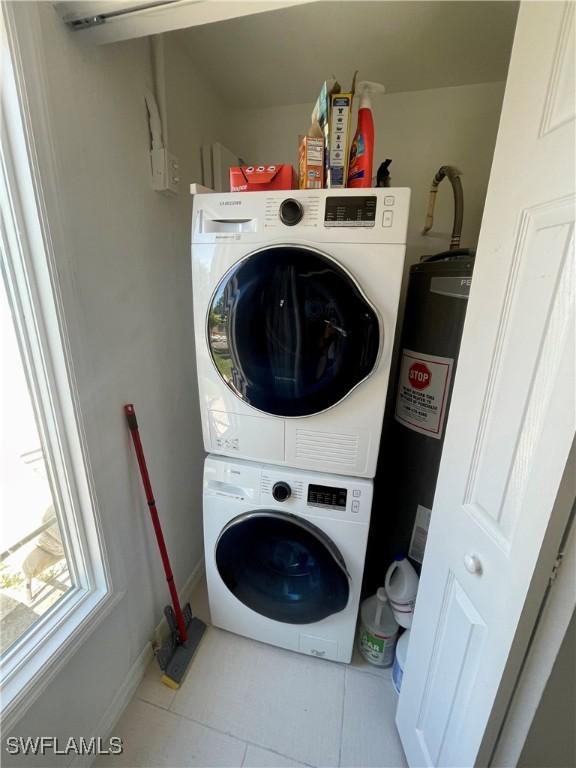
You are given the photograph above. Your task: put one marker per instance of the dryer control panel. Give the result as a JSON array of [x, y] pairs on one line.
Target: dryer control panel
[[326, 496]]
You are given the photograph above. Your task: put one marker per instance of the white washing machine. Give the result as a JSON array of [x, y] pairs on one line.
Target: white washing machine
[[284, 553], [295, 304]]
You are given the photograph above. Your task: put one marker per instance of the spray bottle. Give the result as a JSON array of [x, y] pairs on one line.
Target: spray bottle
[[362, 149]]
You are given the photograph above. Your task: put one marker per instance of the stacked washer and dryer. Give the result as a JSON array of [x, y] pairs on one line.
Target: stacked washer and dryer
[[295, 305]]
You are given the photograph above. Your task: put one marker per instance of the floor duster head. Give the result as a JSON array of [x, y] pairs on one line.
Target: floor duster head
[[174, 657]]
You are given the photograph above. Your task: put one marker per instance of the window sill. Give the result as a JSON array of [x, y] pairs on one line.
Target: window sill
[[37, 658]]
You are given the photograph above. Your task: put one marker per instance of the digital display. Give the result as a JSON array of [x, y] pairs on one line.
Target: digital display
[[323, 496], [356, 211]]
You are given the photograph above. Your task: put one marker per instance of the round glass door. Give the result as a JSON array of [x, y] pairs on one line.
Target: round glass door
[[290, 332], [282, 567]]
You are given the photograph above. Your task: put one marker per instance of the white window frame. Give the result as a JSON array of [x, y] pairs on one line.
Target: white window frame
[[32, 284]]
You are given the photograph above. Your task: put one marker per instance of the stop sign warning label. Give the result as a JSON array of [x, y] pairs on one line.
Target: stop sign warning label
[[419, 375], [423, 388]]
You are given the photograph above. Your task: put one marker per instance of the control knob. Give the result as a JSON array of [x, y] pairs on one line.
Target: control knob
[[291, 212], [281, 491]]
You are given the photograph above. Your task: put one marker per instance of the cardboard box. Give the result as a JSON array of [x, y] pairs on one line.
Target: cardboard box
[[261, 178], [321, 112], [320, 118], [311, 163], [340, 109]]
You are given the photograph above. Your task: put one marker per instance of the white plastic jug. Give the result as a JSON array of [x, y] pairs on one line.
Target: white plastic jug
[[378, 630], [401, 586], [400, 660]]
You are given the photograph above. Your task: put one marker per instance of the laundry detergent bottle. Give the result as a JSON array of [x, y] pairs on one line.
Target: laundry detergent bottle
[[378, 630], [362, 149]]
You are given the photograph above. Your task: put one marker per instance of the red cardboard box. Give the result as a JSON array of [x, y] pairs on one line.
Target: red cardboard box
[[261, 178]]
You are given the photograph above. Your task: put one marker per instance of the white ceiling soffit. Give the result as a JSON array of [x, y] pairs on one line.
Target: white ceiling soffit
[[110, 21], [282, 58]]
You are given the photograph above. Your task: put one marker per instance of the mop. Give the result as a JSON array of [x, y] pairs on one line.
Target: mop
[[175, 655]]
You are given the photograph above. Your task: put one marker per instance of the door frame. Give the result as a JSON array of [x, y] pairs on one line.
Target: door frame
[[554, 615], [511, 716]]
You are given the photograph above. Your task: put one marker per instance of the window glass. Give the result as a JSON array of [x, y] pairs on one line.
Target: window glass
[[33, 567], [282, 570]]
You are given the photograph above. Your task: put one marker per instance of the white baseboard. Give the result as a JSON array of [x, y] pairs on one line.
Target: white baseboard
[[118, 704], [136, 673]]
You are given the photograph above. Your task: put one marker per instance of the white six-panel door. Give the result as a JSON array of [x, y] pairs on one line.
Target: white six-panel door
[[512, 418]]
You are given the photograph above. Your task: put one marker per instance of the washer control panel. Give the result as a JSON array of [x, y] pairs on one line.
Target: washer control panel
[[297, 491], [346, 211], [327, 496]]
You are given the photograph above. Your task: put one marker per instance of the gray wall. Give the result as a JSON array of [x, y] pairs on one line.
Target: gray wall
[[127, 300], [420, 131], [551, 740]]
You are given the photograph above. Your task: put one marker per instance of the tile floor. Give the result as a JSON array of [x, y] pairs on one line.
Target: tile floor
[[250, 705]]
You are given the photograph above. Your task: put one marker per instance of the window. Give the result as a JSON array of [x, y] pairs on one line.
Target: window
[[282, 567], [34, 572], [290, 332], [55, 583]]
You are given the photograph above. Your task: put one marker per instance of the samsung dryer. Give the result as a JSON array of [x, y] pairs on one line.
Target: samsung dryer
[[295, 305], [284, 552]]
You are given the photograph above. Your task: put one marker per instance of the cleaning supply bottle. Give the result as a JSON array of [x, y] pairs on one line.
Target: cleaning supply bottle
[[362, 149], [401, 585], [400, 660], [378, 630]]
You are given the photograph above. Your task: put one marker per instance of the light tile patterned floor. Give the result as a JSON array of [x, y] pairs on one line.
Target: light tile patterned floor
[[250, 705]]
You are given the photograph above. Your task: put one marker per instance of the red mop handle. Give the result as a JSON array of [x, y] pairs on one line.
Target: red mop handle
[[133, 426]]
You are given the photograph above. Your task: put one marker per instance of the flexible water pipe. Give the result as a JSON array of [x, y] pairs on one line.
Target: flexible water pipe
[[454, 175]]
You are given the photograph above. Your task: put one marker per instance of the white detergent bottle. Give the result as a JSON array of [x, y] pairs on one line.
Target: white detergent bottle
[[400, 660], [378, 630], [401, 586]]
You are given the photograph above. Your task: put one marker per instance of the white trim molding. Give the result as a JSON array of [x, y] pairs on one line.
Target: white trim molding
[[103, 22]]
